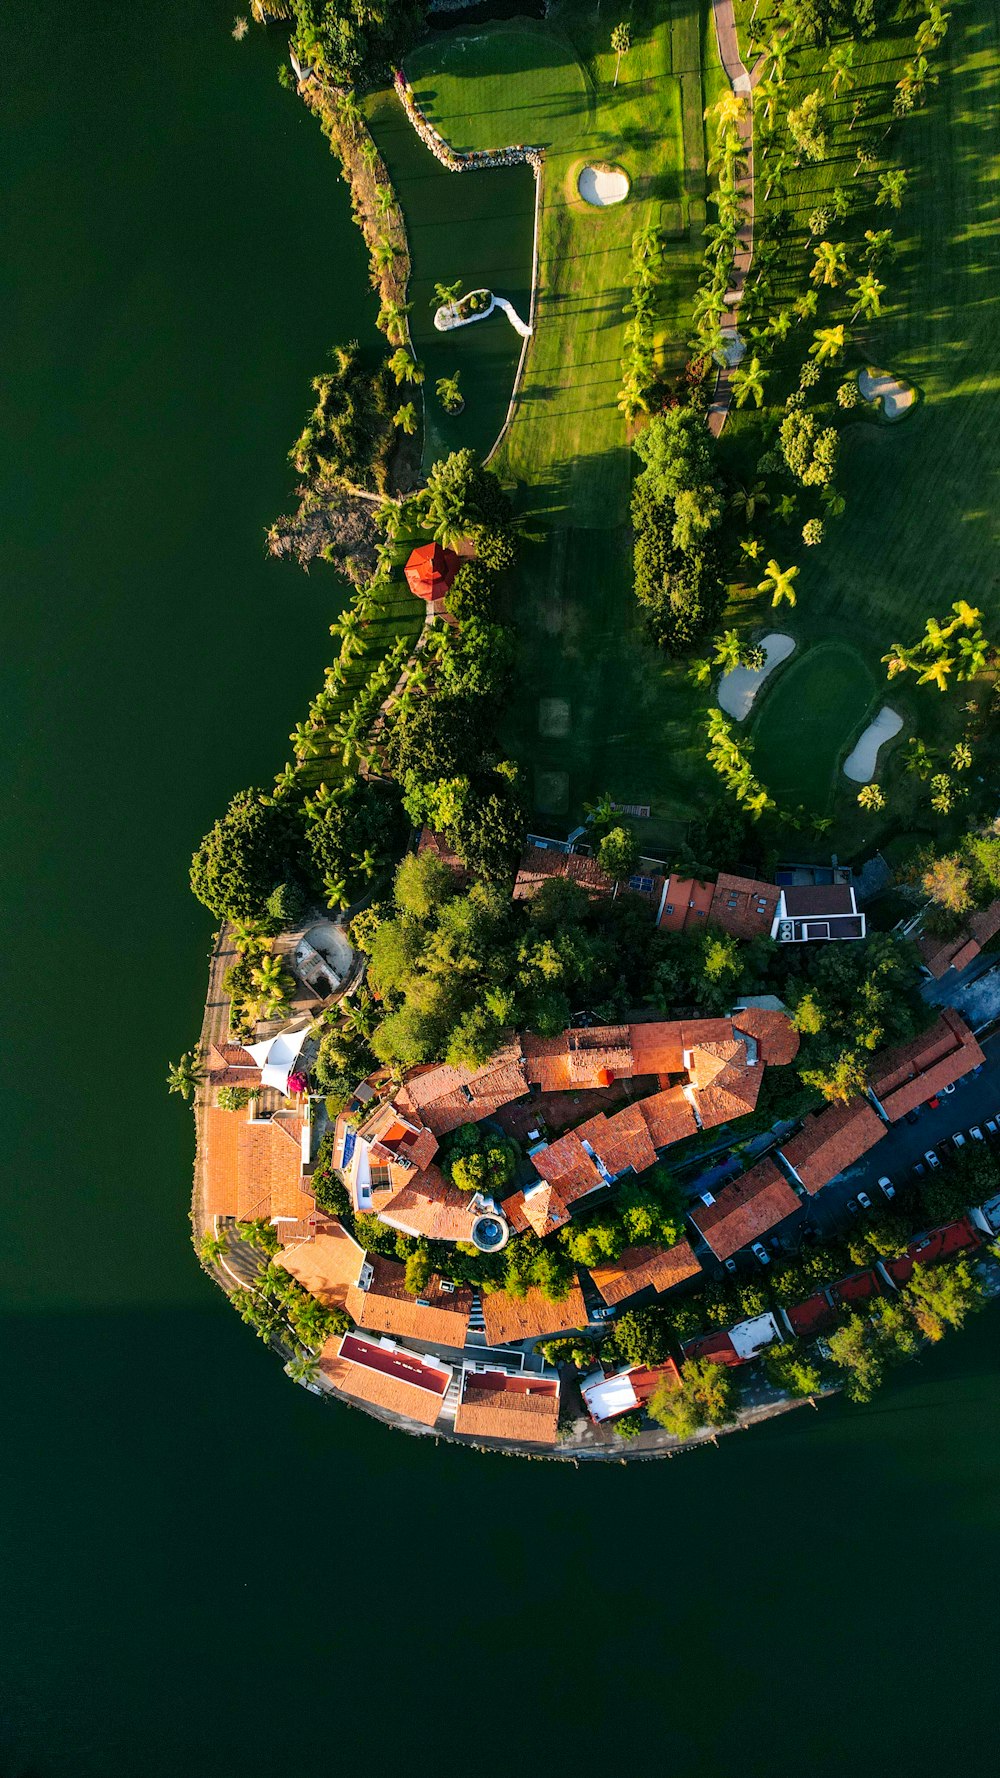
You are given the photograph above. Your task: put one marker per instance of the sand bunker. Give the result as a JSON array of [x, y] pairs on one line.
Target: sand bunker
[[860, 764], [738, 689], [602, 186], [895, 396]]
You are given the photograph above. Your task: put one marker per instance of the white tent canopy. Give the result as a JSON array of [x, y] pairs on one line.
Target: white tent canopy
[[276, 1057]]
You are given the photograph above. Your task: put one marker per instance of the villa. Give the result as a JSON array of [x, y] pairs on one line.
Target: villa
[[504, 1405], [642, 1269], [437, 1316], [745, 1209], [384, 1375], [609, 1394]]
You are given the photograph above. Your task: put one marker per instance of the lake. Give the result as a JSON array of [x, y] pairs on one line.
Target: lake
[[204, 1571]]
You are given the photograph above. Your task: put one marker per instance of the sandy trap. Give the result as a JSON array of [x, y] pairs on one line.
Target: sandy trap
[[738, 689], [602, 185], [895, 396], [861, 762]]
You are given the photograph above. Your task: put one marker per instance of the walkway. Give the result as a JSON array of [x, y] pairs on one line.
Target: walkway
[[741, 83]]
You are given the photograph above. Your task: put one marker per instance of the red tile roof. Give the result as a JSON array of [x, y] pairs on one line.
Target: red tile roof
[[523, 1409], [668, 1116], [686, 904], [445, 1097], [427, 1205], [230, 1065], [812, 1316], [430, 570], [433, 843], [940, 955], [832, 1140], [857, 1288], [393, 1379], [620, 1141], [717, 1347], [745, 1209], [253, 1170], [744, 906], [510, 1319], [540, 1207], [386, 1306], [599, 1054], [777, 1038], [904, 1077], [929, 1249], [639, 1267], [328, 1264], [567, 1165], [546, 1062], [539, 863], [657, 1047]]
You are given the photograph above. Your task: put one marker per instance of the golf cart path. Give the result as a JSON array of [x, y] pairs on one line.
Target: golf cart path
[[741, 82]]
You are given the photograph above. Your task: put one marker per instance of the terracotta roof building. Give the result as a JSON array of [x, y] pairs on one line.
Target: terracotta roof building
[[328, 1265], [539, 863], [567, 1165], [230, 1065], [668, 1116], [606, 1395], [522, 1409], [431, 843], [743, 906], [830, 1141], [745, 1209], [940, 955], [771, 1030], [684, 904], [254, 1166], [541, 1208], [909, 1075], [511, 1319], [620, 1142], [444, 1097], [428, 1206], [644, 1268], [430, 571], [380, 1301], [380, 1373]]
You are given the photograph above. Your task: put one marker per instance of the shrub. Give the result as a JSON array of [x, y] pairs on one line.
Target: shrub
[[235, 1098], [618, 853], [628, 1426]]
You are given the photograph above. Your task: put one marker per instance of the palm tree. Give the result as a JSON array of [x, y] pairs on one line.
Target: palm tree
[[621, 43], [937, 672], [305, 738], [392, 320], [728, 650], [867, 293], [778, 582], [747, 499], [870, 797], [446, 295], [821, 824], [828, 343], [384, 200], [968, 616], [935, 636], [805, 306], [944, 793], [780, 324], [974, 652], [830, 263], [405, 418], [700, 672], [840, 67], [449, 394], [602, 813], [879, 244], [961, 756], [335, 890], [917, 758], [185, 1076], [786, 508], [405, 367], [365, 863], [748, 381], [303, 1369], [891, 188], [383, 253], [272, 986], [212, 1247], [899, 660]]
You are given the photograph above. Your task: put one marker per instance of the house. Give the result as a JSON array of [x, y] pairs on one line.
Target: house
[[813, 911], [739, 1344], [540, 863], [763, 1020], [743, 907], [441, 1097], [940, 955], [811, 1317], [432, 844], [427, 1206], [380, 1301], [830, 1141], [518, 1407], [510, 1320], [430, 570], [258, 1168], [328, 1265], [684, 904], [857, 1287], [232, 1065], [745, 1209], [929, 1249], [909, 1075], [380, 1373], [644, 1268], [606, 1395]]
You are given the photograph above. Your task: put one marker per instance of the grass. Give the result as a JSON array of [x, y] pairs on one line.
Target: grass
[[920, 526], [807, 721]]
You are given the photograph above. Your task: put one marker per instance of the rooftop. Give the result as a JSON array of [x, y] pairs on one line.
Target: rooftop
[[428, 1206], [328, 1265], [906, 1076], [511, 1319], [832, 1140], [638, 1268], [745, 1209], [439, 1316], [497, 1406], [606, 1395], [539, 863], [382, 1374], [743, 906], [940, 955]]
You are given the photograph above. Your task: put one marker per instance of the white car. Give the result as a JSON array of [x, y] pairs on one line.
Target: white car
[[977, 1134], [958, 1139], [991, 1126], [760, 1252], [931, 1158], [950, 1089], [864, 1200], [885, 1185]]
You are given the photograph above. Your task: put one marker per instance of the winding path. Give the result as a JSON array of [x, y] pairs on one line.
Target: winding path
[[741, 83]]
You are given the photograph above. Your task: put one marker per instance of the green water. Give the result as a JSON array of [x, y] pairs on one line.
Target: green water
[[202, 1572]]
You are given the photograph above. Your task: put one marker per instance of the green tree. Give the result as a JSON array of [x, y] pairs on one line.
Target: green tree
[[186, 1076], [892, 188], [778, 582], [405, 417], [255, 846], [791, 1369], [621, 43], [449, 394], [618, 854]]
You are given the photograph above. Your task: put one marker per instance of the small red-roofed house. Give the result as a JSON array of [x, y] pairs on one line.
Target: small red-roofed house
[[745, 1209], [811, 1317], [644, 1268], [607, 1395], [830, 1141], [909, 1075], [929, 1249], [518, 1409], [430, 571]]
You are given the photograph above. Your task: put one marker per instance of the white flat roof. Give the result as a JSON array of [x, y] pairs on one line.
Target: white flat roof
[[605, 1397], [750, 1337]]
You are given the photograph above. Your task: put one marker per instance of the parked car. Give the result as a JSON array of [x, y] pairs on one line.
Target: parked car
[[852, 1206], [991, 1126], [977, 1071], [913, 1117], [959, 1139], [730, 1265], [603, 1313], [950, 1089], [933, 1103], [977, 1134], [885, 1185], [760, 1252], [931, 1158], [864, 1200], [920, 1171]]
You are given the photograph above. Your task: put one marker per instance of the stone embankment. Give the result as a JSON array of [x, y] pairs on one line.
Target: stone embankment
[[476, 158]]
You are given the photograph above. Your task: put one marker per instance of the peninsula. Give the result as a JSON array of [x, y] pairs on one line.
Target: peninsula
[[597, 1052]]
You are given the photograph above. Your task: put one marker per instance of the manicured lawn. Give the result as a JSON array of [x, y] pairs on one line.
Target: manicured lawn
[[807, 722], [473, 226], [922, 495]]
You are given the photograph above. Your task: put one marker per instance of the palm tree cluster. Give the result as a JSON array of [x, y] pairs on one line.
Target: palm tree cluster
[[730, 757], [956, 645], [345, 437], [639, 360], [728, 161]]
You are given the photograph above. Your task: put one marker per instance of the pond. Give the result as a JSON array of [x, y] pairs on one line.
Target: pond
[[477, 227], [804, 723]]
